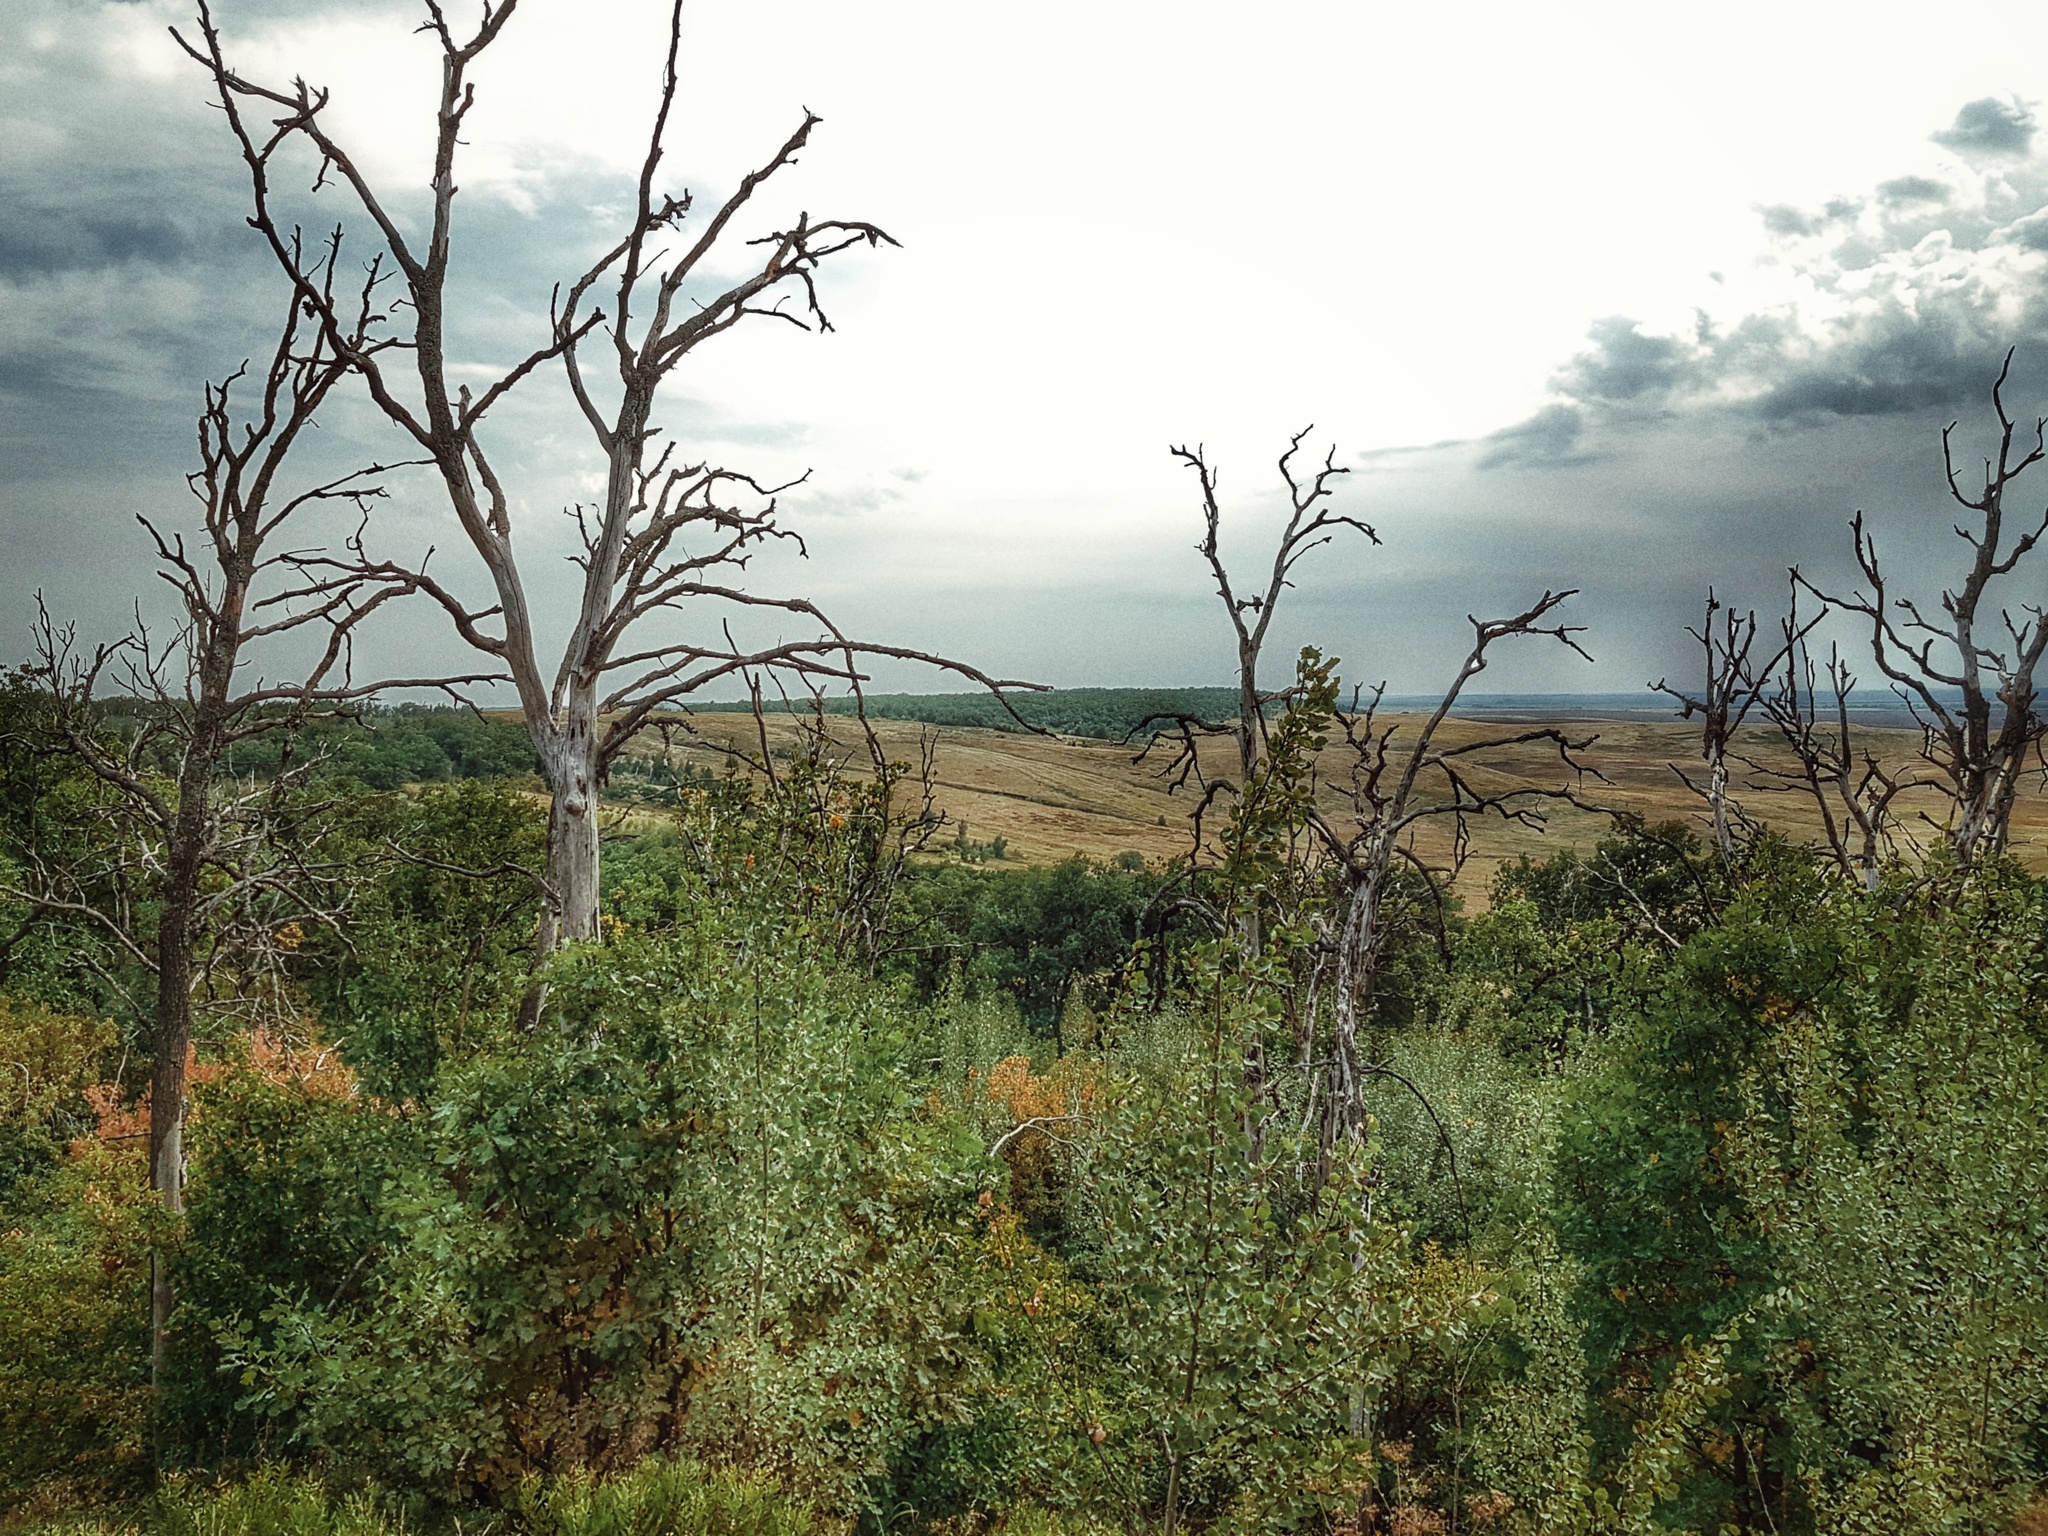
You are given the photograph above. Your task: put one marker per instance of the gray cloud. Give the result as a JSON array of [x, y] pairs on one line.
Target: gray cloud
[[1551, 436], [2030, 233], [1908, 303], [1990, 126], [1626, 365], [1784, 219], [1902, 190]]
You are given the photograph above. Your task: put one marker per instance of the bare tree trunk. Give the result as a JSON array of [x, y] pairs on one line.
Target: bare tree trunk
[[208, 846], [574, 778], [192, 837], [1717, 799], [1358, 945], [171, 1040], [1250, 709], [1386, 805]]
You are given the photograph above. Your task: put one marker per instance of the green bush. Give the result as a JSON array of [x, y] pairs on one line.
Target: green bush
[[1814, 1174], [695, 1211], [1911, 1111], [655, 1498], [435, 952], [74, 1331], [1025, 934], [47, 1061], [661, 1498]]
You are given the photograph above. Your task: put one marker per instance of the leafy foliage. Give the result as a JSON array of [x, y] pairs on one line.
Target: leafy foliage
[[388, 748], [1030, 935], [841, 1187], [74, 1323]]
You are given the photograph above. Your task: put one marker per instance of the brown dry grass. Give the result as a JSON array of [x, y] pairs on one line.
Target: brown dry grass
[[1050, 798]]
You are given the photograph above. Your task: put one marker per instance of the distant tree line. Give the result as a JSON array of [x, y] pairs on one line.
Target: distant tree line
[[391, 747], [1099, 714]]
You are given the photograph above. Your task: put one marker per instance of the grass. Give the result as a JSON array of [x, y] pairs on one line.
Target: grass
[[1051, 798], [656, 1498]]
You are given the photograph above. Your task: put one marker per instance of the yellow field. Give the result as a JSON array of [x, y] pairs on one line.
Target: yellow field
[[1051, 797]]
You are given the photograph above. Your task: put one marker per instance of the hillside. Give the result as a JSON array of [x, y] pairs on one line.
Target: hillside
[[1049, 798]]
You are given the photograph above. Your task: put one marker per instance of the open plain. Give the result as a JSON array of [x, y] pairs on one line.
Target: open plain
[[1052, 797]]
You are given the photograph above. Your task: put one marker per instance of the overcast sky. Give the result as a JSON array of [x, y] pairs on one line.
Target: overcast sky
[[1619, 297]]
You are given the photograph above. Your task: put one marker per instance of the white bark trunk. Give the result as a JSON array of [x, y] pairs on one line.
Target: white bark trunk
[[569, 915]]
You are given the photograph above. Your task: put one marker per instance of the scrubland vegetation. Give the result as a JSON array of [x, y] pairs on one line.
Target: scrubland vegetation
[[415, 1123], [842, 1189]]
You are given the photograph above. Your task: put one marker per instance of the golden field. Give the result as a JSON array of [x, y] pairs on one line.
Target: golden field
[[1052, 797]]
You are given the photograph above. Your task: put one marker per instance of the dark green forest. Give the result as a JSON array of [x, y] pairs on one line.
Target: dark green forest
[[1102, 714]]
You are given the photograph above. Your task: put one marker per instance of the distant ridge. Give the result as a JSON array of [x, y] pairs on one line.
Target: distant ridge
[[1112, 714]]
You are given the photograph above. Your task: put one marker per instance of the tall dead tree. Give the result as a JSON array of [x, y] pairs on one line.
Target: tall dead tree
[[1732, 685], [1393, 788], [227, 872], [1310, 523], [1395, 784], [1833, 765], [672, 535], [1968, 673]]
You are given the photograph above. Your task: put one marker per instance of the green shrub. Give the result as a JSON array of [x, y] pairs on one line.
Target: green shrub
[[695, 1211], [47, 1060], [661, 1498], [1911, 1340], [74, 1331], [655, 1498], [272, 1502], [432, 961], [1821, 1147]]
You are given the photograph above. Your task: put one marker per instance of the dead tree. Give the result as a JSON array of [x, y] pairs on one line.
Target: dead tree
[[672, 535], [1852, 794], [1967, 675], [1310, 524], [1849, 785], [1731, 687], [1393, 788], [226, 860]]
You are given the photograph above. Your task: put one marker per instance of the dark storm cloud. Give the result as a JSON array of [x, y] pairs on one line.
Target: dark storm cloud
[[41, 239], [1725, 451], [1893, 363], [1626, 365], [1990, 126], [1907, 302], [1551, 436]]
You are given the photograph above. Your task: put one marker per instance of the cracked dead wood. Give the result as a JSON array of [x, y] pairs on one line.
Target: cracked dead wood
[[673, 535]]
